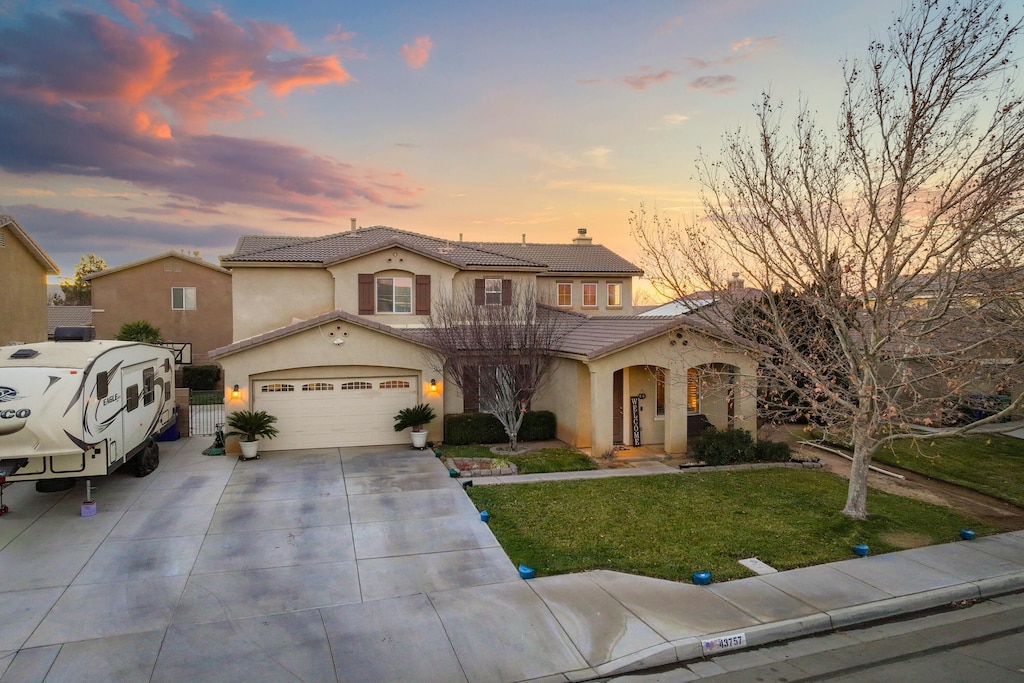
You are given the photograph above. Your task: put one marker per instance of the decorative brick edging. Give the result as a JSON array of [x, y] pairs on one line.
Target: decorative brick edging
[[480, 471]]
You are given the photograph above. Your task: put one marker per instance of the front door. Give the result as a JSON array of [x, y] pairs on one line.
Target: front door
[[617, 407]]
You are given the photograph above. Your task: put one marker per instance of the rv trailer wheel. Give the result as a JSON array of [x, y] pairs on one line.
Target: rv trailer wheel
[[54, 485], [148, 459]]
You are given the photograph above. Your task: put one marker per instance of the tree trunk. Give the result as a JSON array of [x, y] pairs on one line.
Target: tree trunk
[[857, 493]]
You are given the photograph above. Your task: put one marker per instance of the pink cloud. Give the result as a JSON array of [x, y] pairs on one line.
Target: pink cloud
[[644, 80], [88, 95], [417, 54]]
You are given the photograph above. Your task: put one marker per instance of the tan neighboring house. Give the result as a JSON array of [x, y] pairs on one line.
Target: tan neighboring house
[[187, 298], [23, 270], [329, 338]]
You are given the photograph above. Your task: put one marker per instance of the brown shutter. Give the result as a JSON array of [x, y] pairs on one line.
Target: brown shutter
[[471, 389], [478, 292], [366, 306], [422, 295], [506, 292]]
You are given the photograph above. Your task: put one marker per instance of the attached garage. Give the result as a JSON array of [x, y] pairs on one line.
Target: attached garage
[[328, 412]]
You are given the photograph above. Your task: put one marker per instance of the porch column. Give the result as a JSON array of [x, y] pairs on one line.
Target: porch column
[[675, 410], [745, 396], [601, 437]]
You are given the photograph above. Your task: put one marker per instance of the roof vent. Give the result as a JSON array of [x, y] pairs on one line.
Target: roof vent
[[581, 237], [25, 353], [74, 334], [353, 225]]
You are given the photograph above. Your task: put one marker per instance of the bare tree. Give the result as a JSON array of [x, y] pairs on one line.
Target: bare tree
[[496, 353], [888, 248]]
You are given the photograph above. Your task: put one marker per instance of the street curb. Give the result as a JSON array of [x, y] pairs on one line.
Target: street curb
[[690, 650]]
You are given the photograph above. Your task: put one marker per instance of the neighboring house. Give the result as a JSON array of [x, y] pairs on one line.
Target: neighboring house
[[187, 298], [23, 270], [329, 337], [67, 316]]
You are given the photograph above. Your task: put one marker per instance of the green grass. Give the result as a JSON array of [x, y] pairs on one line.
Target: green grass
[[670, 526], [989, 463], [536, 462]]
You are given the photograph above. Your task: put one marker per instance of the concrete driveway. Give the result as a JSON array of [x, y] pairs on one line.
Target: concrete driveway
[[215, 569]]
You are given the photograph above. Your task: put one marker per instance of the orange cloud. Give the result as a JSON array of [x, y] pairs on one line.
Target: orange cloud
[[417, 54], [307, 73]]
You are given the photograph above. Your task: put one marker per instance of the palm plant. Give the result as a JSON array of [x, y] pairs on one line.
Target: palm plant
[[252, 424], [414, 417]]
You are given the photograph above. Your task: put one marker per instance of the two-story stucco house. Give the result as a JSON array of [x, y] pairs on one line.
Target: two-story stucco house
[[23, 270], [187, 298], [328, 337]]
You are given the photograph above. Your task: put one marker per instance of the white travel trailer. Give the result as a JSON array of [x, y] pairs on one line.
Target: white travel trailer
[[72, 408]]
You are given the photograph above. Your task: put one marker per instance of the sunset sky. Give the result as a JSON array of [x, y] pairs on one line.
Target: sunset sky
[[133, 127]]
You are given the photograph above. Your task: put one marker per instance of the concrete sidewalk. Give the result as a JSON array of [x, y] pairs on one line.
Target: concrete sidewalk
[[373, 565]]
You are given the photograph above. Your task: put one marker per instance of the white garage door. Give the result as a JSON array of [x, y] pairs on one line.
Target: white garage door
[[329, 412]]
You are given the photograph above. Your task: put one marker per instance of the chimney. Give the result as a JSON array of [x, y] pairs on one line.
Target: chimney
[[460, 236], [524, 238], [581, 237], [735, 283], [353, 225]]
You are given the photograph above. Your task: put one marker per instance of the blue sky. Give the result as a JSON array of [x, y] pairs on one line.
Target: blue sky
[[133, 127]]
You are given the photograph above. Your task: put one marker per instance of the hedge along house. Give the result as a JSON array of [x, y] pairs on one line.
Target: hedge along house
[[329, 337]]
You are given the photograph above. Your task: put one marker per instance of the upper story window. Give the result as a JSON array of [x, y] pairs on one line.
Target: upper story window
[[183, 298], [614, 294], [590, 295], [394, 295], [492, 291], [565, 294]]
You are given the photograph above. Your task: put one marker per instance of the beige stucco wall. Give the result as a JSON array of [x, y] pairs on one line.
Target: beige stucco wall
[[547, 292], [23, 283], [143, 292], [269, 298], [394, 262], [311, 353], [580, 392]]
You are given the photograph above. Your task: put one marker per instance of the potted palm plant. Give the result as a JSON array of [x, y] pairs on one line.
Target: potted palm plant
[[415, 417], [249, 425]]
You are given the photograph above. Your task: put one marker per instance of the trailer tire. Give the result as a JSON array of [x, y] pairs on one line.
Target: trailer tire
[[54, 485], [148, 458]]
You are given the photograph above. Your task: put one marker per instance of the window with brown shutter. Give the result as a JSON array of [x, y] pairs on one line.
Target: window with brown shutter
[[365, 293], [471, 390], [478, 291], [506, 292], [422, 295]]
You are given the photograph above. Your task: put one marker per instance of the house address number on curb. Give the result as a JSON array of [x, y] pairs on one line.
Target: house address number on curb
[[729, 642]]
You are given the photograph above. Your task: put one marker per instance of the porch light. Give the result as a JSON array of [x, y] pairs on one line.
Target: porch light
[[235, 392], [433, 384]]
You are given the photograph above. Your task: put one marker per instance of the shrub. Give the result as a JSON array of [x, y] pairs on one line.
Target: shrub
[[772, 451], [139, 331], [735, 446], [538, 425], [200, 377], [467, 428]]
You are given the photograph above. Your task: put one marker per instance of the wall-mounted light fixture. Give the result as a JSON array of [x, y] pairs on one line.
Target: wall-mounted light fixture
[[236, 392], [433, 384]]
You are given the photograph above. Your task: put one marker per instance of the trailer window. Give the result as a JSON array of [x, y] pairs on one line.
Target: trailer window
[[148, 394], [101, 385], [132, 397]]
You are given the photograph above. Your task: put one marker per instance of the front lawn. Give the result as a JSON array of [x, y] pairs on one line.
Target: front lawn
[[989, 463], [535, 462], [670, 526]]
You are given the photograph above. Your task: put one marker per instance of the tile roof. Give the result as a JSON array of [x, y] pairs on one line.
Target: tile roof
[[67, 316], [566, 258], [342, 246], [330, 249], [581, 335]]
